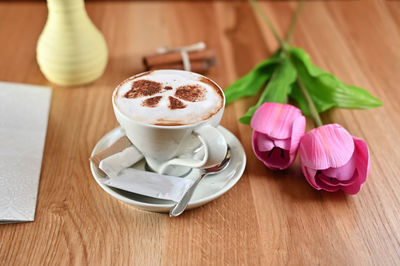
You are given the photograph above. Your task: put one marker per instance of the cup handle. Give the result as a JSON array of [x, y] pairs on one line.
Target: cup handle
[[215, 148]]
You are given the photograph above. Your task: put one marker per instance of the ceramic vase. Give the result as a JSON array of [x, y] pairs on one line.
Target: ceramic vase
[[71, 50]]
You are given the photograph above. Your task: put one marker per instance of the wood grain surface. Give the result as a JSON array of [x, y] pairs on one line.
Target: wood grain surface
[[268, 217]]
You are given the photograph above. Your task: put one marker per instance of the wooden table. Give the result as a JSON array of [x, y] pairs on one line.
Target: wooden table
[[268, 217]]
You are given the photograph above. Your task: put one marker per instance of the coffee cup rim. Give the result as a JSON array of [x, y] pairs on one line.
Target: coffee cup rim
[[166, 126]]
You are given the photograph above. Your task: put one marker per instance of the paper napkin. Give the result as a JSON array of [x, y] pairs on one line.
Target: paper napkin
[[23, 124]]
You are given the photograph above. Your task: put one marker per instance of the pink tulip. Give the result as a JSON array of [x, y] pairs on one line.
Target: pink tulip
[[277, 129], [332, 159]]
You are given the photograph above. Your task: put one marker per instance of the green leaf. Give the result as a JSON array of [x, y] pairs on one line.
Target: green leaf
[[326, 90], [252, 82], [277, 89]]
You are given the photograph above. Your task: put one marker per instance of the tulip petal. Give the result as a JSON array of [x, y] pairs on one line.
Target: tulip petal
[[326, 146], [282, 143], [298, 129], [292, 158], [332, 181], [362, 166], [274, 158], [275, 119], [264, 143], [327, 180], [309, 174], [363, 160], [354, 187], [345, 172], [325, 186]]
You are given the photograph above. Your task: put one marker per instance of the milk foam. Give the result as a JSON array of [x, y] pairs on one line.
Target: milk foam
[[210, 102]]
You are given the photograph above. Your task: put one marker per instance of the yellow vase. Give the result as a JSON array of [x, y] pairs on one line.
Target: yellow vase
[[71, 50]]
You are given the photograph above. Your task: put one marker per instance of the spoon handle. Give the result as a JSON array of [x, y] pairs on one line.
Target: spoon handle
[[181, 205]]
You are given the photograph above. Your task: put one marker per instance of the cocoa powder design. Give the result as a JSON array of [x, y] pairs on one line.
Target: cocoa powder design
[[190, 93], [174, 103], [144, 88], [152, 102]]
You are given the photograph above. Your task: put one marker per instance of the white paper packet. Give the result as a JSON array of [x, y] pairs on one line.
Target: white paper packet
[[115, 163], [116, 167], [150, 184]]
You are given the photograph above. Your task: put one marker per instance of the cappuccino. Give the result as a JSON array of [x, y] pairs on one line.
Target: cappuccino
[[168, 98]]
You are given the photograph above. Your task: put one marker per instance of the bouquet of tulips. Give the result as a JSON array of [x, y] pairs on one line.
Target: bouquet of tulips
[[331, 159]]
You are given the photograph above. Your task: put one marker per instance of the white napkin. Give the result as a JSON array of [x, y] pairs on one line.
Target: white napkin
[[23, 122], [141, 182]]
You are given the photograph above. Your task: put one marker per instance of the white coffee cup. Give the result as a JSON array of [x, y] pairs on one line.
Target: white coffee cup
[[163, 145]]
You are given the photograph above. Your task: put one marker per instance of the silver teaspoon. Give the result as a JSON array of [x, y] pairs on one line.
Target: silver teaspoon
[[182, 204]]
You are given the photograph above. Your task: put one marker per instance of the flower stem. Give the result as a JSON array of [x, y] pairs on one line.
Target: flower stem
[[284, 45], [257, 8], [293, 22], [311, 106]]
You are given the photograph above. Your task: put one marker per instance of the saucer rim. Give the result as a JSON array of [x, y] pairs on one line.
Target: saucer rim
[[164, 206]]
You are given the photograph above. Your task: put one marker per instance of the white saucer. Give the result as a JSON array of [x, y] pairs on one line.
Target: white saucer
[[209, 188]]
